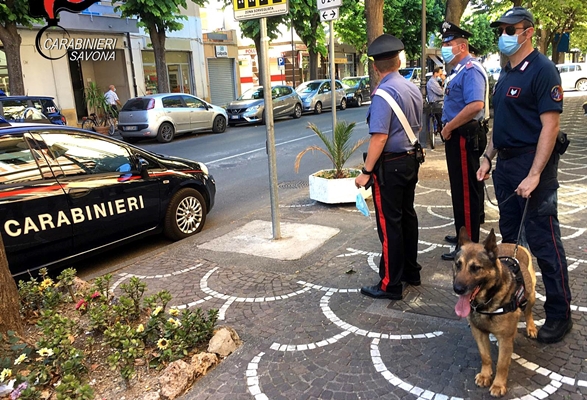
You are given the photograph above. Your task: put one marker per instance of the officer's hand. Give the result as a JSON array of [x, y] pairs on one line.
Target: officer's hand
[[361, 180], [483, 171], [527, 186], [446, 134]]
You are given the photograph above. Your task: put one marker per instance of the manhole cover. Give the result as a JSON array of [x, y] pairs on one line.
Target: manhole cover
[[427, 300], [292, 184]]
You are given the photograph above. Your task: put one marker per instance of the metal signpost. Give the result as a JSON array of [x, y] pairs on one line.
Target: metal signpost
[[329, 12], [253, 9]]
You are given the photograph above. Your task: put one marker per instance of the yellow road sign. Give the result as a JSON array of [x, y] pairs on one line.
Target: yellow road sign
[[252, 9]]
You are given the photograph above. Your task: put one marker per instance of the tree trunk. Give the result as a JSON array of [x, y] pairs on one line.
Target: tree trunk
[[257, 41], [313, 64], [157, 35], [11, 41], [9, 301], [374, 17], [455, 10]]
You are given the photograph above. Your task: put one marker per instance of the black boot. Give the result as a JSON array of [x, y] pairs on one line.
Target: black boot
[[554, 330]]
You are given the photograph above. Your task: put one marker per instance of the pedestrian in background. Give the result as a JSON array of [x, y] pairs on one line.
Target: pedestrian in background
[[435, 95], [463, 112], [112, 99], [528, 101], [396, 174]]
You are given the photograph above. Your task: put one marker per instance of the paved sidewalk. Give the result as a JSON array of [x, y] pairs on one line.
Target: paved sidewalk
[[309, 334]]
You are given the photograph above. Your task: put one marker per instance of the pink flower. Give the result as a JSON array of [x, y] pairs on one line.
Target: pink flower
[[81, 305], [95, 294]]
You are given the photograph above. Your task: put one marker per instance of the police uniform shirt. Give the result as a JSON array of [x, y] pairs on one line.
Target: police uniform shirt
[[466, 85], [521, 94], [380, 115]]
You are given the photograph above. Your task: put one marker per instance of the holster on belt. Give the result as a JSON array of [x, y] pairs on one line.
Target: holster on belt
[[472, 132], [378, 169]]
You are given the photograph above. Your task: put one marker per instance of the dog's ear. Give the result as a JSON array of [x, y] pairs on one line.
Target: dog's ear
[[463, 236], [490, 245]]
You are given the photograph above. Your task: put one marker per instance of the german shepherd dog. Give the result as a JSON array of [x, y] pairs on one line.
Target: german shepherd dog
[[492, 300]]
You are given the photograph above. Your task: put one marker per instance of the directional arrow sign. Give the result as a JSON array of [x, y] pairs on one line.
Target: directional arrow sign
[[324, 4], [329, 15]]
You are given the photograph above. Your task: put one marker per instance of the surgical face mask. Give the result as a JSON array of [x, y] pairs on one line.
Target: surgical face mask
[[447, 54], [508, 44]]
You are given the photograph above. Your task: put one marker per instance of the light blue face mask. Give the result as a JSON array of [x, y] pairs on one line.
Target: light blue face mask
[[509, 45], [447, 54]]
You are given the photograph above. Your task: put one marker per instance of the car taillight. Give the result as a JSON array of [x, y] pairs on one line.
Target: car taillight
[[63, 120], [151, 104]]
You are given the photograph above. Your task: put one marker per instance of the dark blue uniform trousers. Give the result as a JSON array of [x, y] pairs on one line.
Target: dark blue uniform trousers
[[541, 225], [397, 222], [466, 194]]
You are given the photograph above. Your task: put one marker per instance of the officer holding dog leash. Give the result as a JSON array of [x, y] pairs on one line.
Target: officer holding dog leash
[[528, 100], [392, 165], [464, 111]]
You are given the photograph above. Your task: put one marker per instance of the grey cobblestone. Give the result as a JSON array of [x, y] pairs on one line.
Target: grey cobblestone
[[313, 336]]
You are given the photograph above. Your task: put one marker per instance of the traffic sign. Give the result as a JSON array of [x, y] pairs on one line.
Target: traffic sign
[[281, 61], [329, 15], [324, 4], [253, 9]]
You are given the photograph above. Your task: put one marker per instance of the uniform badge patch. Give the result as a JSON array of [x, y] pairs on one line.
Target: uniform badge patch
[[469, 65], [514, 92], [556, 93]]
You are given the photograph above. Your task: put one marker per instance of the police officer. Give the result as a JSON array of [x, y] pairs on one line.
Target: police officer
[[464, 109], [395, 177], [528, 101]]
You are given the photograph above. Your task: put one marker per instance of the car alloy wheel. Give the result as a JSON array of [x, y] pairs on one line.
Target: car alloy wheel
[[219, 124], [297, 111], [318, 108], [581, 85], [343, 104], [165, 133], [185, 215], [359, 101]]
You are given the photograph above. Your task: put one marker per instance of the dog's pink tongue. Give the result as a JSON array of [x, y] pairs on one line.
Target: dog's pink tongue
[[463, 307]]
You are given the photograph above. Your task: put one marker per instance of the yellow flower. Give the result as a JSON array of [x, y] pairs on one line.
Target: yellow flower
[[140, 328], [47, 282], [6, 373], [174, 312], [174, 322], [45, 352], [157, 311], [20, 359], [163, 343]]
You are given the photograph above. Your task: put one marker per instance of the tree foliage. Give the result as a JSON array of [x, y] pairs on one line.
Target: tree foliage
[[158, 17], [306, 21], [13, 13]]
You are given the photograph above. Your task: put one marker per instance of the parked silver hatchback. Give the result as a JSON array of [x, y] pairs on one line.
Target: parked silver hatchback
[[165, 115], [316, 95], [250, 107]]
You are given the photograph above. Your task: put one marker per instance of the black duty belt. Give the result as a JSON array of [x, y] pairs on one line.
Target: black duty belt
[[511, 152], [394, 156]]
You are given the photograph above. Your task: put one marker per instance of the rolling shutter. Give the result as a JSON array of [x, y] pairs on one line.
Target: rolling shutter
[[221, 76]]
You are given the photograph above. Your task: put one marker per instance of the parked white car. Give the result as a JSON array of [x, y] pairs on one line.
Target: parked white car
[[573, 76]]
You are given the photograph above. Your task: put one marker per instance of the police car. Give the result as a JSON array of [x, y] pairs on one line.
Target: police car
[[67, 193]]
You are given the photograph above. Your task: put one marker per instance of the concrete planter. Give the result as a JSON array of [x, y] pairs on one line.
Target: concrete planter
[[335, 191]]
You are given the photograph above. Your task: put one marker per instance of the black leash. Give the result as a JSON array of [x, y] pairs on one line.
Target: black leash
[[521, 226]]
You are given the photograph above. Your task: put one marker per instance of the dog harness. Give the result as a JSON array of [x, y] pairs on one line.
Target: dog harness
[[518, 298]]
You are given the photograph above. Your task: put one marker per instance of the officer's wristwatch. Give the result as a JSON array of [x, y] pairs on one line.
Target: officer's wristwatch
[[364, 171]]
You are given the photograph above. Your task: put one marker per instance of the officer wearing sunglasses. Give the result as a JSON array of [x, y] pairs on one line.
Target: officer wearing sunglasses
[[528, 100]]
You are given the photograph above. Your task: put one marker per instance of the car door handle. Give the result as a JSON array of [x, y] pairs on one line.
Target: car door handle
[[79, 192]]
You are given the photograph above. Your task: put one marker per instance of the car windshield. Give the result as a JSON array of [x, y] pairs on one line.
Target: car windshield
[[351, 82], [308, 87], [136, 104], [406, 72], [252, 94]]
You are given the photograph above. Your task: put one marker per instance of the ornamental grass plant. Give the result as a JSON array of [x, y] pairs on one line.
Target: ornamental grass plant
[[72, 337], [338, 148]]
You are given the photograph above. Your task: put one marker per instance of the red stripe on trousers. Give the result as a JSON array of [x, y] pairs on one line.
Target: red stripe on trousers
[[381, 217], [465, 173]]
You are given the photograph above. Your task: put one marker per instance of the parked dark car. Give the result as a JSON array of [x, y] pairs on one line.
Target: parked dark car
[[67, 193], [317, 96], [250, 107], [358, 90], [17, 109], [164, 115]]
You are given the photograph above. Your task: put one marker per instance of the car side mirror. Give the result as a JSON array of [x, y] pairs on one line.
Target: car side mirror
[[143, 168]]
